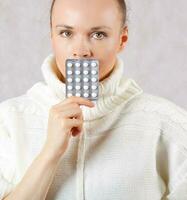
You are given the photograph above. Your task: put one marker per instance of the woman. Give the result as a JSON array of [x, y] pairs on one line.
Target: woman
[[129, 145]]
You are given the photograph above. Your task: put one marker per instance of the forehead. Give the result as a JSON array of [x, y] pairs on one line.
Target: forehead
[[104, 12]]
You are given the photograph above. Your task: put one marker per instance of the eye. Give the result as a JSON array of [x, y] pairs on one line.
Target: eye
[[64, 32], [101, 35]]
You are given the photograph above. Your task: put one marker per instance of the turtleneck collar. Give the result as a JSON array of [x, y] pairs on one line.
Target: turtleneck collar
[[114, 90]]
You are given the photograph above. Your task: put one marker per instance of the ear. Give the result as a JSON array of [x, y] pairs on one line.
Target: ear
[[123, 38]]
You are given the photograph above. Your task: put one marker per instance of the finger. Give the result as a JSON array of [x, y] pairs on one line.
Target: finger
[[71, 113], [70, 123]]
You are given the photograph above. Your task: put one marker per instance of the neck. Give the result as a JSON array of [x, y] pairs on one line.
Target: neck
[[107, 75]]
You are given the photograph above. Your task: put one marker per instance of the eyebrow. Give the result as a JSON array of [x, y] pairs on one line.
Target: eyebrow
[[93, 29]]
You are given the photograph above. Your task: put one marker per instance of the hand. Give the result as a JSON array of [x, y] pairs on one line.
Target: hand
[[65, 119]]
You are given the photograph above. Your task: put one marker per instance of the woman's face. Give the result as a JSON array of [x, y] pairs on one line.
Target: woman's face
[[87, 29]]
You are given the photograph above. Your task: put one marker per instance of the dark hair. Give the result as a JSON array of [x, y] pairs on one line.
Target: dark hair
[[121, 5]]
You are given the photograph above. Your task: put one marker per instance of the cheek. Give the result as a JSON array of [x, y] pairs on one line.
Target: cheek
[[58, 47], [108, 50], [61, 64], [107, 58], [60, 54]]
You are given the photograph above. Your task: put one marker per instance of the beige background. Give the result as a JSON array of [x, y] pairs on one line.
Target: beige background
[[156, 54]]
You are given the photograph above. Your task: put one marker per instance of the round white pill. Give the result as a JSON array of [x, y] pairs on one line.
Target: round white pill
[[94, 87], [70, 94], [77, 72], [77, 80], [85, 64], [70, 87], [70, 79], [70, 72], [78, 94], [77, 64], [86, 87], [86, 94], [69, 64], [85, 79], [93, 64], [85, 72], [94, 79], [78, 87], [94, 95], [94, 72]]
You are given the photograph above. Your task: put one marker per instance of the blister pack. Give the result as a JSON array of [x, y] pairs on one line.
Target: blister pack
[[82, 78]]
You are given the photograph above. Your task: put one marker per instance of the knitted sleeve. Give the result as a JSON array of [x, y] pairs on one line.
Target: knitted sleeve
[[7, 166], [178, 179], [172, 160], [171, 155]]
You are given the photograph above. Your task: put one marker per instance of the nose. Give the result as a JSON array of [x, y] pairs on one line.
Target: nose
[[81, 50]]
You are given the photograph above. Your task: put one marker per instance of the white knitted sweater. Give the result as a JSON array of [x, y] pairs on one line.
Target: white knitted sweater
[[134, 145]]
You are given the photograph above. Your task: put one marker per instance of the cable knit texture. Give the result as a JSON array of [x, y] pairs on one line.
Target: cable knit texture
[[133, 145]]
